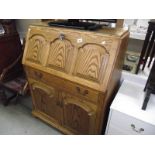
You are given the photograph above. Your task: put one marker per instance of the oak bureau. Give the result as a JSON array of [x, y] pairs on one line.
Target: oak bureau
[[72, 75]]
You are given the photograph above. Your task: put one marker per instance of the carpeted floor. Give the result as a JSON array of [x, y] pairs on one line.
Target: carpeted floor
[[16, 119]]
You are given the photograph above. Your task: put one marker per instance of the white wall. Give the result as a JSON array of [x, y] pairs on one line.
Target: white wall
[[138, 29], [23, 24]]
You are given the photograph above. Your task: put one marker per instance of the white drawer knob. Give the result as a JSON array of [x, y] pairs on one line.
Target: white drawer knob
[[136, 130]]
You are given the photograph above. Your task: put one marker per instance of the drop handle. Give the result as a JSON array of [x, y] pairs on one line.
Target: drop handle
[[84, 93], [61, 36], [136, 130]]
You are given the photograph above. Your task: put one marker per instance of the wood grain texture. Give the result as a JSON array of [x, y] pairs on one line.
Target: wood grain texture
[[76, 72], [46, 101], [120, 23], [60, 55], [50, 121], [36, 48], [114, 81], [65, 85], [79, 117], [91, 62], [105, 50]]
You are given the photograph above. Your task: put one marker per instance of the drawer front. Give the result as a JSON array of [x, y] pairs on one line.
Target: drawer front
[[123, 124], [113, 130], [77, 90], [83, 92]]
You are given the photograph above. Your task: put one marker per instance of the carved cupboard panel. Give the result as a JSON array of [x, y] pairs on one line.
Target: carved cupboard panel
[[64, 109], [79, 115], [47, 101]]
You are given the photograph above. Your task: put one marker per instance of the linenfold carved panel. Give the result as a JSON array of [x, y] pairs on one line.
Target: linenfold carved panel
[[60, 55], [36, 47], [91, 62]]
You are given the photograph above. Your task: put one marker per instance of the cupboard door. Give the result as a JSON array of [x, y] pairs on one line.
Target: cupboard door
[[79, 117], [92, 61], [47, 101]]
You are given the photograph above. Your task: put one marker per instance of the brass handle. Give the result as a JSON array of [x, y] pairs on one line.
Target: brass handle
[[134, 129], [84, 93], [38, 75], [61, 37]]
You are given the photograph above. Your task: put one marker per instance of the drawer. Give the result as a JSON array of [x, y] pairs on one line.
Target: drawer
[[83, 92], [70, 87], [113, 130], [123, 124]]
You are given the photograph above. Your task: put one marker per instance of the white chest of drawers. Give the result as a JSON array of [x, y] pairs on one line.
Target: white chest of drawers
[[126, 116]]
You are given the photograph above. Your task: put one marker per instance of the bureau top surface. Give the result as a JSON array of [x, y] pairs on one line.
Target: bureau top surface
[[114, 32]]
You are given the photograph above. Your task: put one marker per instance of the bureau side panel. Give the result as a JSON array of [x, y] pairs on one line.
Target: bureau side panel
[[113, 84]]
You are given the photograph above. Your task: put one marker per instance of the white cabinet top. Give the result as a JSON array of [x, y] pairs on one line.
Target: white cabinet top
[[129, 100], [137, 35], [137, 28]]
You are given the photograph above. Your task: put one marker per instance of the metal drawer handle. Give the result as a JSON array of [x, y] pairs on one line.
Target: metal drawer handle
[[39, 75], [61, 37], [134, 129], [84, 93]]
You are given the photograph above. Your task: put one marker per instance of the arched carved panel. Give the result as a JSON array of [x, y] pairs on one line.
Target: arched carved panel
[[106, 43], [91, 62], [46, 99], [78, 116], [60, 55], [36, 49]]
